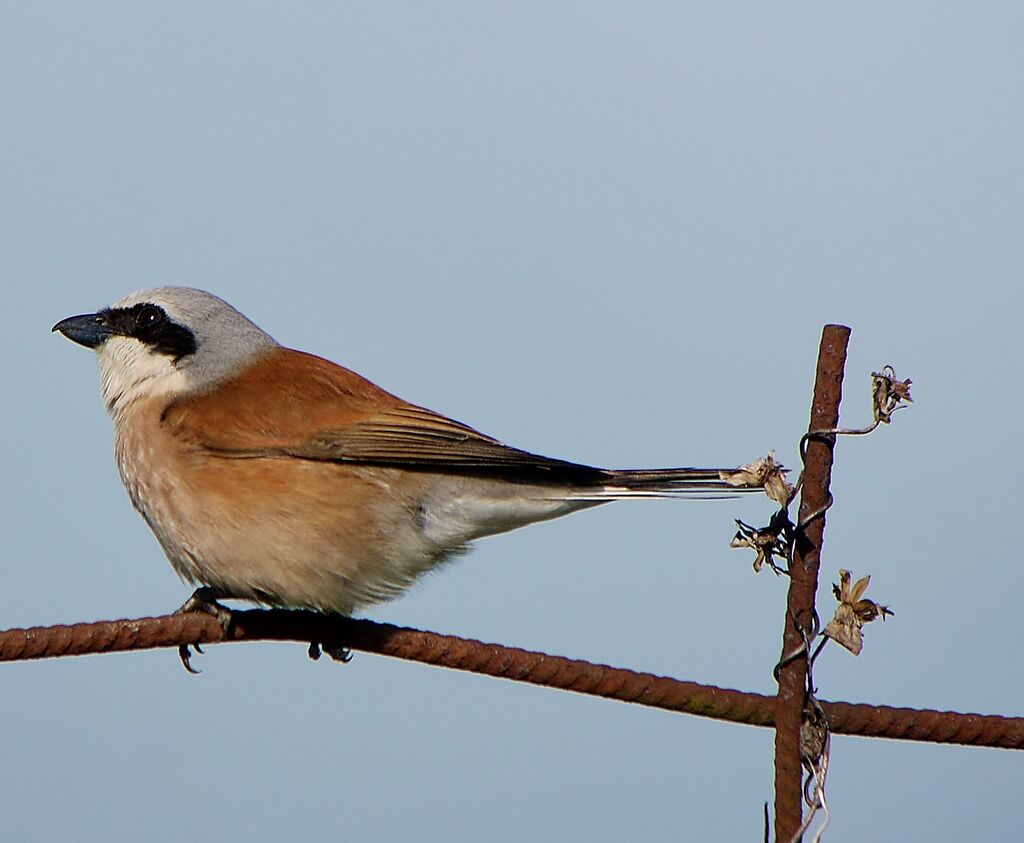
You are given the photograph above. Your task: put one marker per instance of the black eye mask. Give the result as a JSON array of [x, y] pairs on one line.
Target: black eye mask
[[150, 324]]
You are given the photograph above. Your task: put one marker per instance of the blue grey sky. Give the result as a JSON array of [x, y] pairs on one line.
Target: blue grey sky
[[605, 232]]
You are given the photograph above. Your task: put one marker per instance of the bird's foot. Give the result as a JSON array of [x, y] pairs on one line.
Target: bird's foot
[[339, 654], [204, 600]]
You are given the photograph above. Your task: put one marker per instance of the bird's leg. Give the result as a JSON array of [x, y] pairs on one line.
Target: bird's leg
[[204, 599]]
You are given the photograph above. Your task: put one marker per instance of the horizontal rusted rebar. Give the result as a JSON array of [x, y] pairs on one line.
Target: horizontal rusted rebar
[[506, 662]]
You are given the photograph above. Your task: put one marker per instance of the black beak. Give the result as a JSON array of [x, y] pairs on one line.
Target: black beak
[[89, 329]]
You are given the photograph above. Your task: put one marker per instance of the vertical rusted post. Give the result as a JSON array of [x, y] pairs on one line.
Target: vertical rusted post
[[803, 584]]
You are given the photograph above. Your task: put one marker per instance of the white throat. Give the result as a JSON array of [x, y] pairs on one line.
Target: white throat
[[130, 371]]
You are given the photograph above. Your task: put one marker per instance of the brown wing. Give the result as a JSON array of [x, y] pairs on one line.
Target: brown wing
[[293, 404]]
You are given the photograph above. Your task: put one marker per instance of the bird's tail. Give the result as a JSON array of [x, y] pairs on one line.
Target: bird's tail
[[617, 484]]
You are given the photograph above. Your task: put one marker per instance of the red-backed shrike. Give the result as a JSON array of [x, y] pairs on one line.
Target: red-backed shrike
[[271, 475]]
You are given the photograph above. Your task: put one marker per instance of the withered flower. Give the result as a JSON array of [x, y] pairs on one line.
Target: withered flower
[[769, 542], [853, 611], [889, 393], [767, 473]]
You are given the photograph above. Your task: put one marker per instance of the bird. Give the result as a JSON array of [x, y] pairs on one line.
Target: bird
[[275, 476]]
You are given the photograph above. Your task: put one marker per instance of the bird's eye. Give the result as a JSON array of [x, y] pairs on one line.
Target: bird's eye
[[149, 317]]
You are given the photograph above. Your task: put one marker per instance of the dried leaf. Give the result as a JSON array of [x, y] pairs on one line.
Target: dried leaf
[[765, 473], [852, 612], [813, 733], [769, 542], [750, 474], [778, 489], [869, 610], [858, 590], [889, 393], [844, 628]]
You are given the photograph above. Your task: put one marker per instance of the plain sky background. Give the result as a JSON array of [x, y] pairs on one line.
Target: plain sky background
[[606, 232]]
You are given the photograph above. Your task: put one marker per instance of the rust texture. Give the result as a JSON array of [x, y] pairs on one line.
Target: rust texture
[[803, 585], [507, 662], [911, 724], [398, 642]]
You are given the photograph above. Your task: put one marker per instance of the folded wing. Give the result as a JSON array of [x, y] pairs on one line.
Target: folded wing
[[297, 405]]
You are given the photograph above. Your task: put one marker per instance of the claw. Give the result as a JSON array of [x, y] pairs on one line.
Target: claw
[[204, 600], [185, 654], [339, 654]]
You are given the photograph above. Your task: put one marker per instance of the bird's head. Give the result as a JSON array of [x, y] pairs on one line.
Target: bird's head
[[169, 340]]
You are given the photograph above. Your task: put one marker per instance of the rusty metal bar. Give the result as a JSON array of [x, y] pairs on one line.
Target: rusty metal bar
[[803, 584], [912, 724], [398, 642], [507, 662]]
